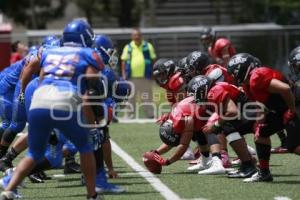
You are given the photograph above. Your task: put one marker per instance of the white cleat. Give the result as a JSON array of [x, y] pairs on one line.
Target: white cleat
[[7, 195], [188, 155], [201, 165], [216, 167]]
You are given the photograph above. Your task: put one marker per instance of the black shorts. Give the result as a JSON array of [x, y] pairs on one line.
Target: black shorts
[[242, 126], [293, 134], [274, 124], [200, 138]]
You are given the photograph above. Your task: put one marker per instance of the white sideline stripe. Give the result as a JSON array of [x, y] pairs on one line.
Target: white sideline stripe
[[139, 121], [166, 192], [282, 198]]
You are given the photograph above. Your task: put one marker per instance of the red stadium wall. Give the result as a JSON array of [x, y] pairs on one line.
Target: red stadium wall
[[5, 48]]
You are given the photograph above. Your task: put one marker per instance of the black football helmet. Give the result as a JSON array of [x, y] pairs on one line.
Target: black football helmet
[[162, 70], [199, 87], [196, 62], [257, 61], [207, 36], [181, 65], [240, 66], [167, 135], [294, 60]]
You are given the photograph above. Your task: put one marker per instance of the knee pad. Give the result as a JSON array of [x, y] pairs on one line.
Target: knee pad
[[9, 135], [200, 138], [233, 137], [99, 158], [212, 139]]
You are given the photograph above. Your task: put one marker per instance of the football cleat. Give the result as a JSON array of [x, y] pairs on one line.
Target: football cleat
[[260, 177], [243, 172], [71, 167], [188, 155], [5, 164], [35, 178], [280, 149], [4, 183], [108, 188], [216, 167], [202, 164], [7, 195], [102, 186]]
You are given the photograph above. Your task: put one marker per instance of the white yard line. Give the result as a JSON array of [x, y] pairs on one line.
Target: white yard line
[[139, 121], [164, 190], [282, 198]]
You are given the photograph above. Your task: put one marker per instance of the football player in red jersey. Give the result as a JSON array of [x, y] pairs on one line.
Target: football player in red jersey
[[175, 85], [226, 99], [268, 87], [199, 62], [220, 49], [185, 123]]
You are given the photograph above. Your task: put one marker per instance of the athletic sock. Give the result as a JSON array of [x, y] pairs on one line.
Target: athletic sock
[[217, 155], [205, 153], [263, 154]]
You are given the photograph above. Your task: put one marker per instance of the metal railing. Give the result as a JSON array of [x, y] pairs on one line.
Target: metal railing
[[270, 42]]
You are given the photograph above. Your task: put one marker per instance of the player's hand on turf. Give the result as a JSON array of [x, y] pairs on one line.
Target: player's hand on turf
[[288, 116], [112, 174], [160, 160]]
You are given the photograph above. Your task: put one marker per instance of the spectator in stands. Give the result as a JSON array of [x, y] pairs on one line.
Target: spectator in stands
[[137, 58], [19, 50]]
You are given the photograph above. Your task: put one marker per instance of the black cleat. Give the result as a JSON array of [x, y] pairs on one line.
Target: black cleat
[[43, 175], [35, 178], [260, 177], [243, 172], [72, 168], [5, 164]]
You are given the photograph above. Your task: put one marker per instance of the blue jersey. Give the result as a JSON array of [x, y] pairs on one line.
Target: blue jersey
[[11, 74], [64, 66]]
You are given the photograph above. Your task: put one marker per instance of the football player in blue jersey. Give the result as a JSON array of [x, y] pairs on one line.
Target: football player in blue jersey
[[57, 101], [107, 52], [17, 118]]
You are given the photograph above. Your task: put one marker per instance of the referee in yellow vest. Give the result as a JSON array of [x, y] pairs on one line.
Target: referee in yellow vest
[[137, 58]]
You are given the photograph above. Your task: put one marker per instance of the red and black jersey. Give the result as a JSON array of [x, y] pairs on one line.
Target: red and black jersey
[[174, 85], [223, 91], [213, 70], [187, 108], [216, 51], [260, 80]]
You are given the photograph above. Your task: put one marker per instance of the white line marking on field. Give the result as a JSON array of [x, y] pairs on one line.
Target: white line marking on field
[[282, 198], [139, 121], [166, 192]]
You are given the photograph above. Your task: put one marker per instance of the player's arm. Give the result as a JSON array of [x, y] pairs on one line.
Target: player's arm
[[162, 149], [228, 112], [185, 140], [285, 92], [93, 83], [33, 67]]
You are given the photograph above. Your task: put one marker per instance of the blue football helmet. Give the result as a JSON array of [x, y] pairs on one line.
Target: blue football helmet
[[78, 33], [107, 51]]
